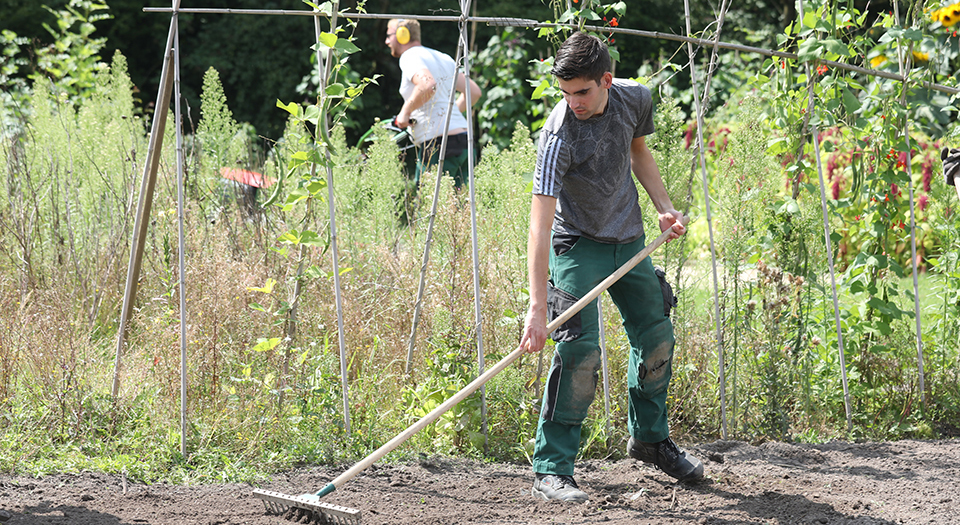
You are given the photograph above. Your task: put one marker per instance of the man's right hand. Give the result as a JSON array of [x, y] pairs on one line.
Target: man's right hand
[[534, 331]]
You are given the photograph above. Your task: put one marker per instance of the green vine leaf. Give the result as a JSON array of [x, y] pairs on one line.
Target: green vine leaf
[[810, 49], [538, 93], [345, 46], [327, 41], [310, 238], [335, 90], [267, 287], [292, 108], [835, 46], [265, 345]]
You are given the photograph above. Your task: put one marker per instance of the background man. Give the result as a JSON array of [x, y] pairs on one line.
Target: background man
[[583, 192], [427, 77]]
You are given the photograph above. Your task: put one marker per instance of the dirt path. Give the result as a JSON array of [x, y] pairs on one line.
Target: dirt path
[[775, 483]]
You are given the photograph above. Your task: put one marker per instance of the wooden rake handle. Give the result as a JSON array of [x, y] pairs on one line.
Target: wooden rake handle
[[494, 370]]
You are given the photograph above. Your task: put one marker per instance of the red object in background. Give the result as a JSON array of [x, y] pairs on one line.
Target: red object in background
[[250, 178]]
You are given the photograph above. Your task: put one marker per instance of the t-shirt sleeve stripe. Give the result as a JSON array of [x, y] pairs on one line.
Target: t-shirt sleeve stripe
[[545, 175]]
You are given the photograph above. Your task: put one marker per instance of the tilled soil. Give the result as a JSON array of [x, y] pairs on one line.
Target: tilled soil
[[774, 483]]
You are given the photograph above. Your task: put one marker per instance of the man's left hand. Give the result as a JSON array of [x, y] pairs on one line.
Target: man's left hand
[[672, 219]]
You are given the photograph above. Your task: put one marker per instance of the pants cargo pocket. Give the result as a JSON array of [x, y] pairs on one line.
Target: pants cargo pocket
[[558, 301], [669, 300]]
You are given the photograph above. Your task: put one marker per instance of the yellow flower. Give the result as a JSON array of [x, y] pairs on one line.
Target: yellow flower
[[948, 16], [877, 61], [920, 58]]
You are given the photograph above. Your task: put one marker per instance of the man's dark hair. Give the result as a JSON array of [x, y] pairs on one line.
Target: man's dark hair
[[581, 56]]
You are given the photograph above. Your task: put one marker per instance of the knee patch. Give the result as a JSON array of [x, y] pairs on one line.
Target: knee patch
[[656, 367], [571, 387]]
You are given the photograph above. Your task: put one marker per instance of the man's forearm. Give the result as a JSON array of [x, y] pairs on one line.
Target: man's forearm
[[417, 100], [645, 169], [538, 250], [538, 269]]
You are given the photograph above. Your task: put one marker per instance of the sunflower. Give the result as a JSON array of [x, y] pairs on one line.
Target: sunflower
[[947, 16]]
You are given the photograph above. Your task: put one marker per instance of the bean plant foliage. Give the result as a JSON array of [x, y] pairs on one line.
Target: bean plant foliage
[[821, 174]]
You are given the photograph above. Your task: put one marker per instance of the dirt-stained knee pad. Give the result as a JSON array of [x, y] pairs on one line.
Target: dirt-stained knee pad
[[652, 362], [572, 383], [655, 371]]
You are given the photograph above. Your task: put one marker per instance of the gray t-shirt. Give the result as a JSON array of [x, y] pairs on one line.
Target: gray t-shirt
[[585, 164]]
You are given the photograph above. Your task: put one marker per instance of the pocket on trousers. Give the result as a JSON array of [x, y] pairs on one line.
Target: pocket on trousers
[[669, 300], [563, 243], [559, 301]]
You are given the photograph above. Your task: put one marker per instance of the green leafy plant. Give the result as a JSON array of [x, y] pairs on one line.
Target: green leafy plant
[[72, 61], [507, 58], [448, 372]]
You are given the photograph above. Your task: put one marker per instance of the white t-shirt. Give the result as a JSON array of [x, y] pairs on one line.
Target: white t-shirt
[[430, 117]]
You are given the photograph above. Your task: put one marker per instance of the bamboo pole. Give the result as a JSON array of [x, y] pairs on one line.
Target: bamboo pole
[[181, 237], [433, 215], [904, 61], [713, 249], [811, 107], [324, 67], [471, 183], [147, 186]]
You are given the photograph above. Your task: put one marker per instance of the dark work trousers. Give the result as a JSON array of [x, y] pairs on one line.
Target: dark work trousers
[[455, 161], [577, 265]]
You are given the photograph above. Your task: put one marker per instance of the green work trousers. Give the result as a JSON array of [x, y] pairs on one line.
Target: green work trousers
[[455, 163], [643, 300]]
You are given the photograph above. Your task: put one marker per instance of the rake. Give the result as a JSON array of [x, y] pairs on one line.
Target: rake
[[310, 507]]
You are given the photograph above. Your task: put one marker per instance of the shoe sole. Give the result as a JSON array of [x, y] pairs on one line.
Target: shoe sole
[[540, 495]]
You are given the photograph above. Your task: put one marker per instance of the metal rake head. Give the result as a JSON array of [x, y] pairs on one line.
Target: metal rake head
[[280, 503]]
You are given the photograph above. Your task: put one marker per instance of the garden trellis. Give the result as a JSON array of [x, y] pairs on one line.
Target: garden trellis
[[151, 165]]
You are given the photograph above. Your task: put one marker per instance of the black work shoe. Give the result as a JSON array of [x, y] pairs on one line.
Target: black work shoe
[[549, 486], [668, 457]]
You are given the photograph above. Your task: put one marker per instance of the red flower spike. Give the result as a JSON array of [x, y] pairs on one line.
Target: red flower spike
[[614, 22]]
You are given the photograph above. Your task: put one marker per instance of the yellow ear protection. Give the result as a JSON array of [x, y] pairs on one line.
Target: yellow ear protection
[[403, 34]]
